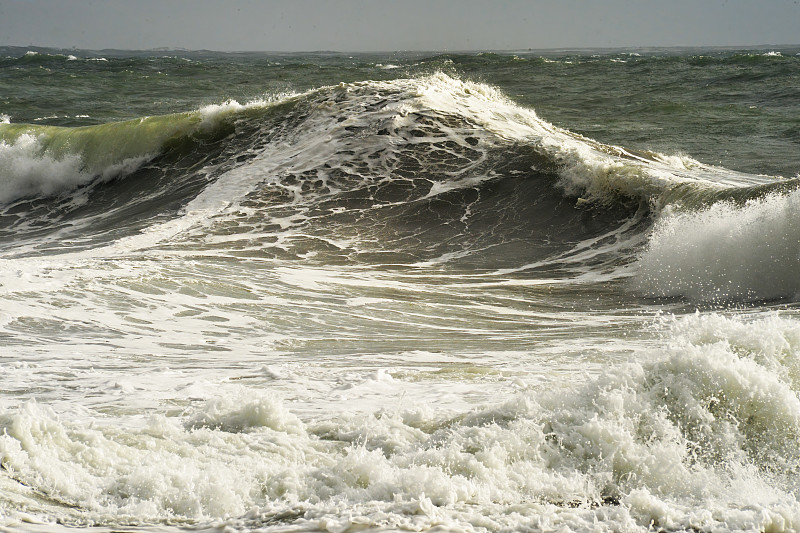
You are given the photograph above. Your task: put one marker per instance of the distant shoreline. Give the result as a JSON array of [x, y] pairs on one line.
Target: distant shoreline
[[534, 51]]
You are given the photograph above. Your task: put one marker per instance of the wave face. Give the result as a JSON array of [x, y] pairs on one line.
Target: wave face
[[405, 303]]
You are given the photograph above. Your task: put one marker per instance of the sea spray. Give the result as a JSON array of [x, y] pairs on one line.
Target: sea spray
[[726, 252]]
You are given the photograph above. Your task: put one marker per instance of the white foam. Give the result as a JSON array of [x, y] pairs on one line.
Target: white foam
[[701, 434], [26, 171], [213, 112]]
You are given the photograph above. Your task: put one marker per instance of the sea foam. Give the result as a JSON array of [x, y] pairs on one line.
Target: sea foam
[[703, 435]]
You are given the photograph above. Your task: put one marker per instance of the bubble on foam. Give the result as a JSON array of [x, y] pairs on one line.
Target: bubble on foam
[[772, 341], [706, 428], [155, 472], [725, 252]]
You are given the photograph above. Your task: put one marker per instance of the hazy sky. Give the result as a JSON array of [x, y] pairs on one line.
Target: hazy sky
[[383, 25]]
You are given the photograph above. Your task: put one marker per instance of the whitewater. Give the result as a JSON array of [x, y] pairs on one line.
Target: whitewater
[[530, 291]]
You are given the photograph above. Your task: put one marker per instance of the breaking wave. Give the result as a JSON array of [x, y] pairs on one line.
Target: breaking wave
[[406, 171]]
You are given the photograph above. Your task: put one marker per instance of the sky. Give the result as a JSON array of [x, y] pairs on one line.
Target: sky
[[385, 25]]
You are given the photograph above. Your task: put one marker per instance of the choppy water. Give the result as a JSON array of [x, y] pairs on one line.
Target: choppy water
[[468, 292]]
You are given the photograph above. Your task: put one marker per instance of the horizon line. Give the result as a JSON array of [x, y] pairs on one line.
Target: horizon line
[[432, 50]]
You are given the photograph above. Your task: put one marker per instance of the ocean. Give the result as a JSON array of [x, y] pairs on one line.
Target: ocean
[[464, 292]]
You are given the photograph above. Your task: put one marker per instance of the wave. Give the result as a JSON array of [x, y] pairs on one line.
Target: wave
[[112, 179], [21, 57], [585, 166], [701, 436], [402, 171], [742, 58], [51, 160]]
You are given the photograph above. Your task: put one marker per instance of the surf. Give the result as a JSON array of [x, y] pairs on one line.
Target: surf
[[407, 303], [712, 418]]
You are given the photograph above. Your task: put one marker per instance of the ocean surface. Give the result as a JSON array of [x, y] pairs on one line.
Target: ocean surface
[[516, 291]]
